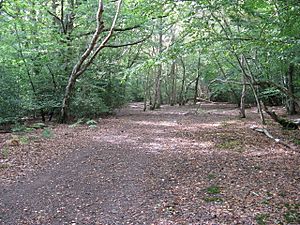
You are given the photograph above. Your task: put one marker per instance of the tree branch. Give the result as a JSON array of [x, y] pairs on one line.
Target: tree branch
[[93, 43], [128, 44], [115, 30], [104, 42]]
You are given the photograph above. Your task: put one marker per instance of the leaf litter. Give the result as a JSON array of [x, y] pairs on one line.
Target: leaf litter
[[170, 166]]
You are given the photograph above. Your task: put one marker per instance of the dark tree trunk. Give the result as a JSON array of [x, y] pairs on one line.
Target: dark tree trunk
[[67, 99]]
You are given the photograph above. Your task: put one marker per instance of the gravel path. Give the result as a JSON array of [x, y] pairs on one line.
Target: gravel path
[[170, 166]]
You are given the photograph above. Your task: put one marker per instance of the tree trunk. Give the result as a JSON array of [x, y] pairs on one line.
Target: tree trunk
[[87, 57], [181, 95], [173, 88], [146, 86], [197, 80], [234, 94], [242, 104], [291, 106], [251, 79], [67, 98], [243, 95], [157, 91]]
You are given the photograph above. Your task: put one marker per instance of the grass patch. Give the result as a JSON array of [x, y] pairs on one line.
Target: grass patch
[[38, 125], [5, 153], [4, 166], [18, 128], [266, 201], [234, 145], [47, 133], [261, 219], [24, 140], [213, 199], [91, 123], [292, 215], [296, 141], [213, 190], [78, 122], [211, 176], [282, 194], [256, 167]]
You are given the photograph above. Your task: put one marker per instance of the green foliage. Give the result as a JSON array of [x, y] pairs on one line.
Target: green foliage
[[261, 219], [4, 166], [91, 122], [38, 125], [47, 133], [234, 145], [211, 176], [213, 199], [292, 214], [40, 54], [19, 128], [5, 152], [78, 122], [296, 141], [213, 190], [24, 140]]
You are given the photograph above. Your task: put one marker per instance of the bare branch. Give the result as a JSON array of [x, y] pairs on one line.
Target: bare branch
[[105, 40], [128, 44], [95, 38]]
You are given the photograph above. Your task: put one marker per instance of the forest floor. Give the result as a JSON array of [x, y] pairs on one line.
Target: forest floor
[[176, 165]]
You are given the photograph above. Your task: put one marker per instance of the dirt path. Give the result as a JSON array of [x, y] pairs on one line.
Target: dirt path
[[171, 166]]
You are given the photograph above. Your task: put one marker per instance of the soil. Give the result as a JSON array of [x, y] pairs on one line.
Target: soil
[[176, 165]]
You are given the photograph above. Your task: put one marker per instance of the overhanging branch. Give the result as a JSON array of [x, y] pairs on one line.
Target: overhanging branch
[[128, 44]]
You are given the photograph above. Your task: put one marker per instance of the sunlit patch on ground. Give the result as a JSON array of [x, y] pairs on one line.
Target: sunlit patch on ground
[[170, 166], [153, 123]]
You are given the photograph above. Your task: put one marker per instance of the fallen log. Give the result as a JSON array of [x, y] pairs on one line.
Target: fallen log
[[269, 135], [285, 123]]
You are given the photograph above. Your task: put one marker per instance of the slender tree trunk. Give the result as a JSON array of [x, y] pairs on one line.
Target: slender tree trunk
[[234, 94], [197, 80], [173, 88], [181, 95], [146, 87], [291, 106], [251, 80], [87, 57], [243, 94], [157, 91]]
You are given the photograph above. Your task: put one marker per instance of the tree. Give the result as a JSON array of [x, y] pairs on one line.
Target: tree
[[88, 56]]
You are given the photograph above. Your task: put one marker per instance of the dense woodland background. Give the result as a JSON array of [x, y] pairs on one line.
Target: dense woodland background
[[63, 58]]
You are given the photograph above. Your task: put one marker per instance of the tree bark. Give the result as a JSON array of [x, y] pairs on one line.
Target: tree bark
[[243, 94], [197, 80], [291, 106], [249, 76], [87, 58], [181, 95], [173, 88], [157, 91]]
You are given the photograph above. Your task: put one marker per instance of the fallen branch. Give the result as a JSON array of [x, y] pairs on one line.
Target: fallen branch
[[269, 135], [285, 123]]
